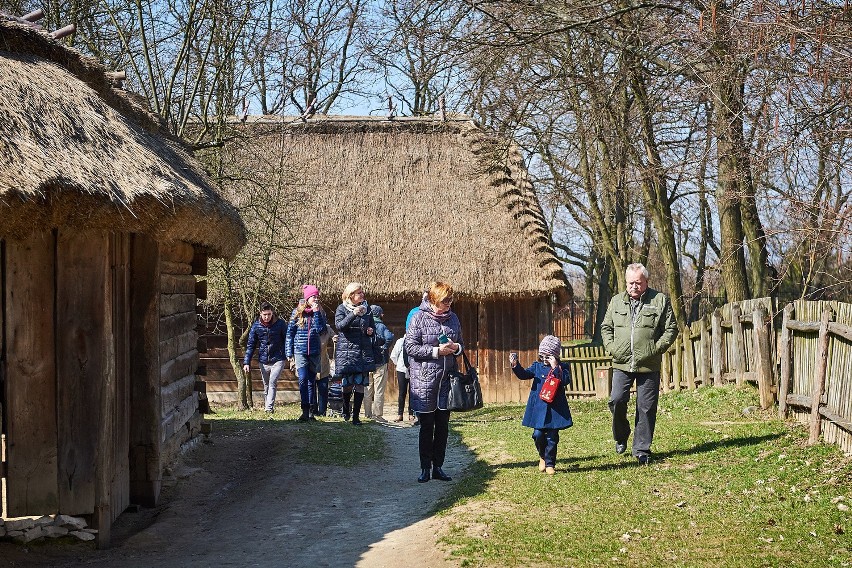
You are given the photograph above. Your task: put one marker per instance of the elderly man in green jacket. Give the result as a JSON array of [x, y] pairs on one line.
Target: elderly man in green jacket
[[638, 328]]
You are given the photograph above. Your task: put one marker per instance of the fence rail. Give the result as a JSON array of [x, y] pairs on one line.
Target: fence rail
[[801, 356]]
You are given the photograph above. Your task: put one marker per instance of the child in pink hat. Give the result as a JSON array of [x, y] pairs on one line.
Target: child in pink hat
[[545, 418], [307, 324]]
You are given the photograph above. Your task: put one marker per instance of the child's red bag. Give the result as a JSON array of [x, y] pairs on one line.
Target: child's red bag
[[549, 388]]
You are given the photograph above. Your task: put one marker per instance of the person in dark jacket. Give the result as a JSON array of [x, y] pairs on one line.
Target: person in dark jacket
[[374, 397], [267, 335], [545, 418], [433, 339], [353, 354], [307, 324]]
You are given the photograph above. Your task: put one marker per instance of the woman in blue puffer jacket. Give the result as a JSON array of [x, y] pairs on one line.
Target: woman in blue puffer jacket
[[353, 354], [307, 323], [433, 340]]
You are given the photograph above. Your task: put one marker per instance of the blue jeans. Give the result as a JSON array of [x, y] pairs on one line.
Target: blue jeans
[[320, 400], [307, 367], [546, 440], [270, 374]]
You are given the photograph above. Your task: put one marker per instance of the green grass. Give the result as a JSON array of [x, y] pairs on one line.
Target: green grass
[[328, 441], [725, 489]]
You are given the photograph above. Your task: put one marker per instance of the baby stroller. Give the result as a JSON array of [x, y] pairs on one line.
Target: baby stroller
[[335, 397]]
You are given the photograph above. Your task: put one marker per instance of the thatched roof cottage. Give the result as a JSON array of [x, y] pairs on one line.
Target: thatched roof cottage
[[104, 219], [395, 204]]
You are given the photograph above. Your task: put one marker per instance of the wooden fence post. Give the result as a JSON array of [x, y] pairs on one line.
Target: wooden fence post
[[819, 379], [785, 352], [689, 358], [762, 357], [717, 346], [666, 372], [737, 326], [677, 364], [705, 353]]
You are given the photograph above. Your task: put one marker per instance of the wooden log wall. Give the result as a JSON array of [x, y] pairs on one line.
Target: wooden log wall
[[178, 349]]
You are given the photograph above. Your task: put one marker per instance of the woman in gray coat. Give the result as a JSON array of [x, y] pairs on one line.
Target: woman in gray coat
[[433, 340]]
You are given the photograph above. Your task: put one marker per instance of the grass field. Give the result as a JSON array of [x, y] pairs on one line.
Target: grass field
[[726, 488]]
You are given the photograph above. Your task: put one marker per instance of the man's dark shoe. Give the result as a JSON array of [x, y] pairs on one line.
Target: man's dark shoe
[[303, 418], [424, 476], [643, 460], [620, 448], [356, 421], [438, 473]]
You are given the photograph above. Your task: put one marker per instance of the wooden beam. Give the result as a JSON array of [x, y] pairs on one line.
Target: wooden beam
[[785, 354], [819, 378], [840, 330], [762, 357], [145, 445], [739, 359], [716, 346], [32, 485], [705, 353], [805, 326]]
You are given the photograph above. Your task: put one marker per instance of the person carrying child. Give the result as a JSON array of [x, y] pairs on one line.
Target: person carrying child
[[546, 418]]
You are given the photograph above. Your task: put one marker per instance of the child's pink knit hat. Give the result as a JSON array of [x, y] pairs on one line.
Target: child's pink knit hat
[[309, 290]]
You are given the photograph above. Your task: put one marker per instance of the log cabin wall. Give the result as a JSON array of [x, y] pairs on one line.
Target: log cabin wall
[[178, 349]]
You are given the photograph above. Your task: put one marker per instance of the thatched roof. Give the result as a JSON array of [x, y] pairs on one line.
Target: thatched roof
[[397, 203], [77, 152]]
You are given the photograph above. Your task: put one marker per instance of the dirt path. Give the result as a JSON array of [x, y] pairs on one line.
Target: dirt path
[[246, 501]]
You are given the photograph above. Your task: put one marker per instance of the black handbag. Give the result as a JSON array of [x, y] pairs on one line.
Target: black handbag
[[465, 392]]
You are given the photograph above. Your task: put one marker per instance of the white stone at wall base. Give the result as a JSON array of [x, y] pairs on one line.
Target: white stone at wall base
[[70, 522], [33, 533], [82, 535], [53, 531], [19, 524]]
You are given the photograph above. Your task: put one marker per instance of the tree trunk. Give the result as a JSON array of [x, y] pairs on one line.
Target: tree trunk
[[244, 398]]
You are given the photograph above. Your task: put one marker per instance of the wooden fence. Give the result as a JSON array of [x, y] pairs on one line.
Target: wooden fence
[[801, 356]]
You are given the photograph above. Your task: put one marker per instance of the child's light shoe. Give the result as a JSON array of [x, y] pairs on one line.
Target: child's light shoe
[[550, 470], [541, 464]]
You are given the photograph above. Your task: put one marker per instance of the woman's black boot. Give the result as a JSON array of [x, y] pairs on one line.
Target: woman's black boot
[[347, 396], [356, 409]]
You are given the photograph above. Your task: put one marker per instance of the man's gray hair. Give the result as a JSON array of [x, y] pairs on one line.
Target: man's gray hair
[[637, 267]]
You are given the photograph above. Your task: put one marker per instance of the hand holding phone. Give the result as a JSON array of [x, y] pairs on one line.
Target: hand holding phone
[[513, 359], [443, 338]]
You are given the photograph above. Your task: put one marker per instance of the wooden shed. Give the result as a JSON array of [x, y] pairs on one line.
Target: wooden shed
[[395, 204], [104, 219]]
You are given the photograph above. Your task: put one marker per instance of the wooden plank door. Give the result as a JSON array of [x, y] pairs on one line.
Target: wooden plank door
[[85, 369], [30, 385]]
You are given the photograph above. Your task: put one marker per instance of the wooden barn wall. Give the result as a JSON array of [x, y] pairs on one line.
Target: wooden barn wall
[[178, 349]]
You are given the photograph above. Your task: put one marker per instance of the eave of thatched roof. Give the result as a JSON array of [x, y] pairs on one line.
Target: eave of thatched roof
[[397, 203], [77, 152]]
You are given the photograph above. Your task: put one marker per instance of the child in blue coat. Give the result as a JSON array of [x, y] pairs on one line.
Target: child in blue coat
[[546, 419]]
